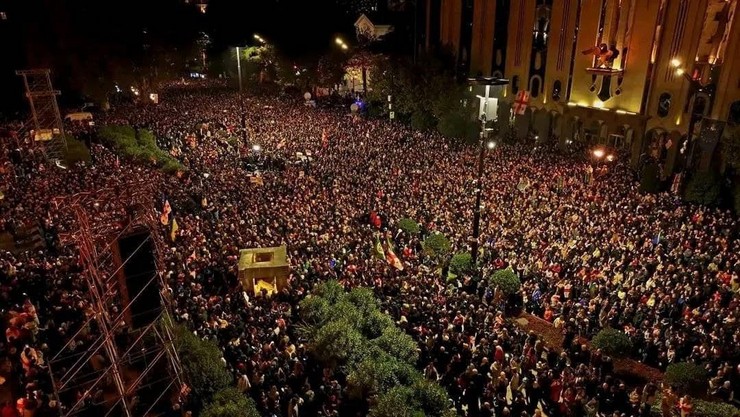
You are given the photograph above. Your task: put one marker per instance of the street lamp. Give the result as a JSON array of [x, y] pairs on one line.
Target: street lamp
[[599, 153], [481, 87], [258, 38], [695, 84]]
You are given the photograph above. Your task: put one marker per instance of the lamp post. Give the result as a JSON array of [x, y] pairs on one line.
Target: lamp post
[[487, 111], [691, 141]]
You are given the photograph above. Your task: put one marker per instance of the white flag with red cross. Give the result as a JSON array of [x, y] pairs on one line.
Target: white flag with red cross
[[521, 102]]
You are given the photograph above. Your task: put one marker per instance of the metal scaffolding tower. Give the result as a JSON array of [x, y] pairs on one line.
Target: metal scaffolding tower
[[106, 367], [47, 122]]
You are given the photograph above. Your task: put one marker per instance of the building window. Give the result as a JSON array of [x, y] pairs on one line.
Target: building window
[[664, 104], [557, 86], [734, 117], [534, 86]]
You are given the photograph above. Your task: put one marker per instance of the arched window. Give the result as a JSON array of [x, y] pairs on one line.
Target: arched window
[[664, 104], [534, 86], [557, 86], [734, 117]]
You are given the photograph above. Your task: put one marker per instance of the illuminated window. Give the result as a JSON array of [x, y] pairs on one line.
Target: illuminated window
[[664, 104]]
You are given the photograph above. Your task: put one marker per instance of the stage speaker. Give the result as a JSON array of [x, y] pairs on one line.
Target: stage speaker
[[141, 286]]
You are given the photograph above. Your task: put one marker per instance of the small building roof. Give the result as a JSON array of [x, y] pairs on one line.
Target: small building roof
[[263, 257]]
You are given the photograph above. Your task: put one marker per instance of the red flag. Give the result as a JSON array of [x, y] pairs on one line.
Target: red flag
[[391, 257], [521, 102]]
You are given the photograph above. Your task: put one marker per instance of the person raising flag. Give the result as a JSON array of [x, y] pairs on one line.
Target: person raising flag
[[391, 256], [377, 251]]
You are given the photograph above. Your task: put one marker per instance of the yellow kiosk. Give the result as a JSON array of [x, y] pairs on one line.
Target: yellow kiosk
[[264, 268]]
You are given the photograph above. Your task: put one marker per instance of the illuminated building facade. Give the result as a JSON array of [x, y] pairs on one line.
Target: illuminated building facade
[[624, 73]]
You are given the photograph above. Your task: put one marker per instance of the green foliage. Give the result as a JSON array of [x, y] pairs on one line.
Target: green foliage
[[348, 332], [704, 188], [458, 125], [436, 246], [688, 377], [702, 408], [424, 93], [650, 178], [201, 363], [461, 263], [139, 146], [422, 399], [76, 151], [409, 226], [229, 402], [398, 344], [506, 280], [612, 342]]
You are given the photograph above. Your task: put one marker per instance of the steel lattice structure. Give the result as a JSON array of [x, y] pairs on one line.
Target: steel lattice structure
[[47, 122], [117, 366]]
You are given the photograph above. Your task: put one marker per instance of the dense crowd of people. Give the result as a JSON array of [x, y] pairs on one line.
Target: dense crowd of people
[[591, 253]]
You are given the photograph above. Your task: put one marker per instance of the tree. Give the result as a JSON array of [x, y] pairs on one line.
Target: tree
[[704, 188], [506, 280], [436, 246], [201, 364], [229, 402], [688, 377], [408, 226], [461, 263], [612, 342]]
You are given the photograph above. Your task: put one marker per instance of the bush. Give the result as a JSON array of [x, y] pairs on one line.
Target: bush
[[76, 152], [612, 342], [408, 226], [461, 263], [702, 408], [688, 377], [139, 146], [704, 188], [348, 332], [436, 245], [229, 402], [506, 280], [201, 364]]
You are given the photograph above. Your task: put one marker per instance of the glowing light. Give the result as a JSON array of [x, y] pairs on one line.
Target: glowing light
[[680, 71], [571, 104], [675, 62], [599, 153], [344, 46], [256, 148], [599, 104], [621, 112], [491, 145], [610, 158], [339, 41], [678, 120]]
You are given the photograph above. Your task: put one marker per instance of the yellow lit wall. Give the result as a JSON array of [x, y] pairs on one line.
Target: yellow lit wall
[[450, 16], [484, 12], [643, 15], [680, 40], [519, 43]]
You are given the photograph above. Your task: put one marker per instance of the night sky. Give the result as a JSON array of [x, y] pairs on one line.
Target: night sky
[[66, 34]]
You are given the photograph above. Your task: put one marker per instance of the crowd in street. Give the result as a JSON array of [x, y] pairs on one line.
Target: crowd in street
[[592, 252]]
